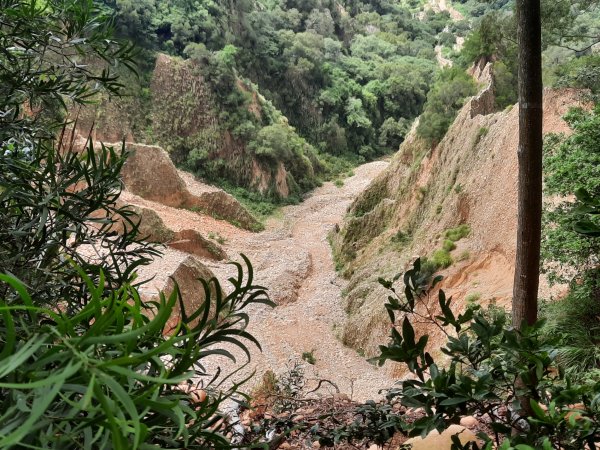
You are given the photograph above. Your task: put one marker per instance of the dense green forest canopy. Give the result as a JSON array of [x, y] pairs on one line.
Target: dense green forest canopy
[[350, 76]]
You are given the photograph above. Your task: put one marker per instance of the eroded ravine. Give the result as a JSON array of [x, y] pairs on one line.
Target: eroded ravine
[[292, 258], [294, 247]]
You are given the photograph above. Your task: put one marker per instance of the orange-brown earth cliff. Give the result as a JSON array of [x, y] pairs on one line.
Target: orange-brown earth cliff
[[469, 178]]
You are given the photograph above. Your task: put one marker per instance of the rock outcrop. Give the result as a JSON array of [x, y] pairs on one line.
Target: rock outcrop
[[151, 228], [186, 271], [180, 111], [187, 276], [150, 174], [485, 101], [469, 178], [192, 242]]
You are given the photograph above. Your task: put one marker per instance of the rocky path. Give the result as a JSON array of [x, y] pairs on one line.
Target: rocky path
[[292, 258]]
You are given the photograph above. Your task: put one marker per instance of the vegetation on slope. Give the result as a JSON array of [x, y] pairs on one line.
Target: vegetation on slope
[[348, 76]]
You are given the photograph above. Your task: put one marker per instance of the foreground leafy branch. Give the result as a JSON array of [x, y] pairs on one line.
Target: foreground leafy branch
[[485, 357], [108, 376]]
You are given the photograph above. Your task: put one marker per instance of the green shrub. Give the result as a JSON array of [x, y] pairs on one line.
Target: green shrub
[[571, 168], [482, 132], [441, 258], [472, 298], [448, 245], [444, 100], [402, 237], [575, 319], [582, 72], [279, 143], [465, 255], [260, 206], [44, 222], [546, 409], [456, 234], [54, 200], [111, 375], [216, 237], [505, 84], [309, 357]]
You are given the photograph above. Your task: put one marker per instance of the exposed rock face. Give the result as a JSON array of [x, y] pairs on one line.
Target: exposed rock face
[[179, 111], [264, 179], [222, 205], [192, 242], [152, 228], [182, 103], [150, 174], [184, 106], [112, 118], [187, 276], [485, 102], [470, 178]]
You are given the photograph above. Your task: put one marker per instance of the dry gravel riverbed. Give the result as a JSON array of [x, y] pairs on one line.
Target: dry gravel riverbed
[[292, 258]]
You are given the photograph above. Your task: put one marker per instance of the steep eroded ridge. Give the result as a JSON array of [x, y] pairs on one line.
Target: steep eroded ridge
[[469, 179]]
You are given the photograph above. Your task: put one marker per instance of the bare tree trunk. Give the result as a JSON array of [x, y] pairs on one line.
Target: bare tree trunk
[[526, 283]]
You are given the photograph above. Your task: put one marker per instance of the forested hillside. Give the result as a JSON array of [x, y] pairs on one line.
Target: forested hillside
[[296, 91], [303, 89], [348, 75]]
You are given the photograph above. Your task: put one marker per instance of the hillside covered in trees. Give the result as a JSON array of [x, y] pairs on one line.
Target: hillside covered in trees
[[116, 330], [317, 86], [279, 95]]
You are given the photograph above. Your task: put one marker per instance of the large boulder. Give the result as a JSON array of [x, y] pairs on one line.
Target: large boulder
[[150, 174], [192, 242], [188, 274], [151, 228]]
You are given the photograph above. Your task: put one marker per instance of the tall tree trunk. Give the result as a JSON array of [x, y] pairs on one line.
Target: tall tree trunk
[[526, 283]]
